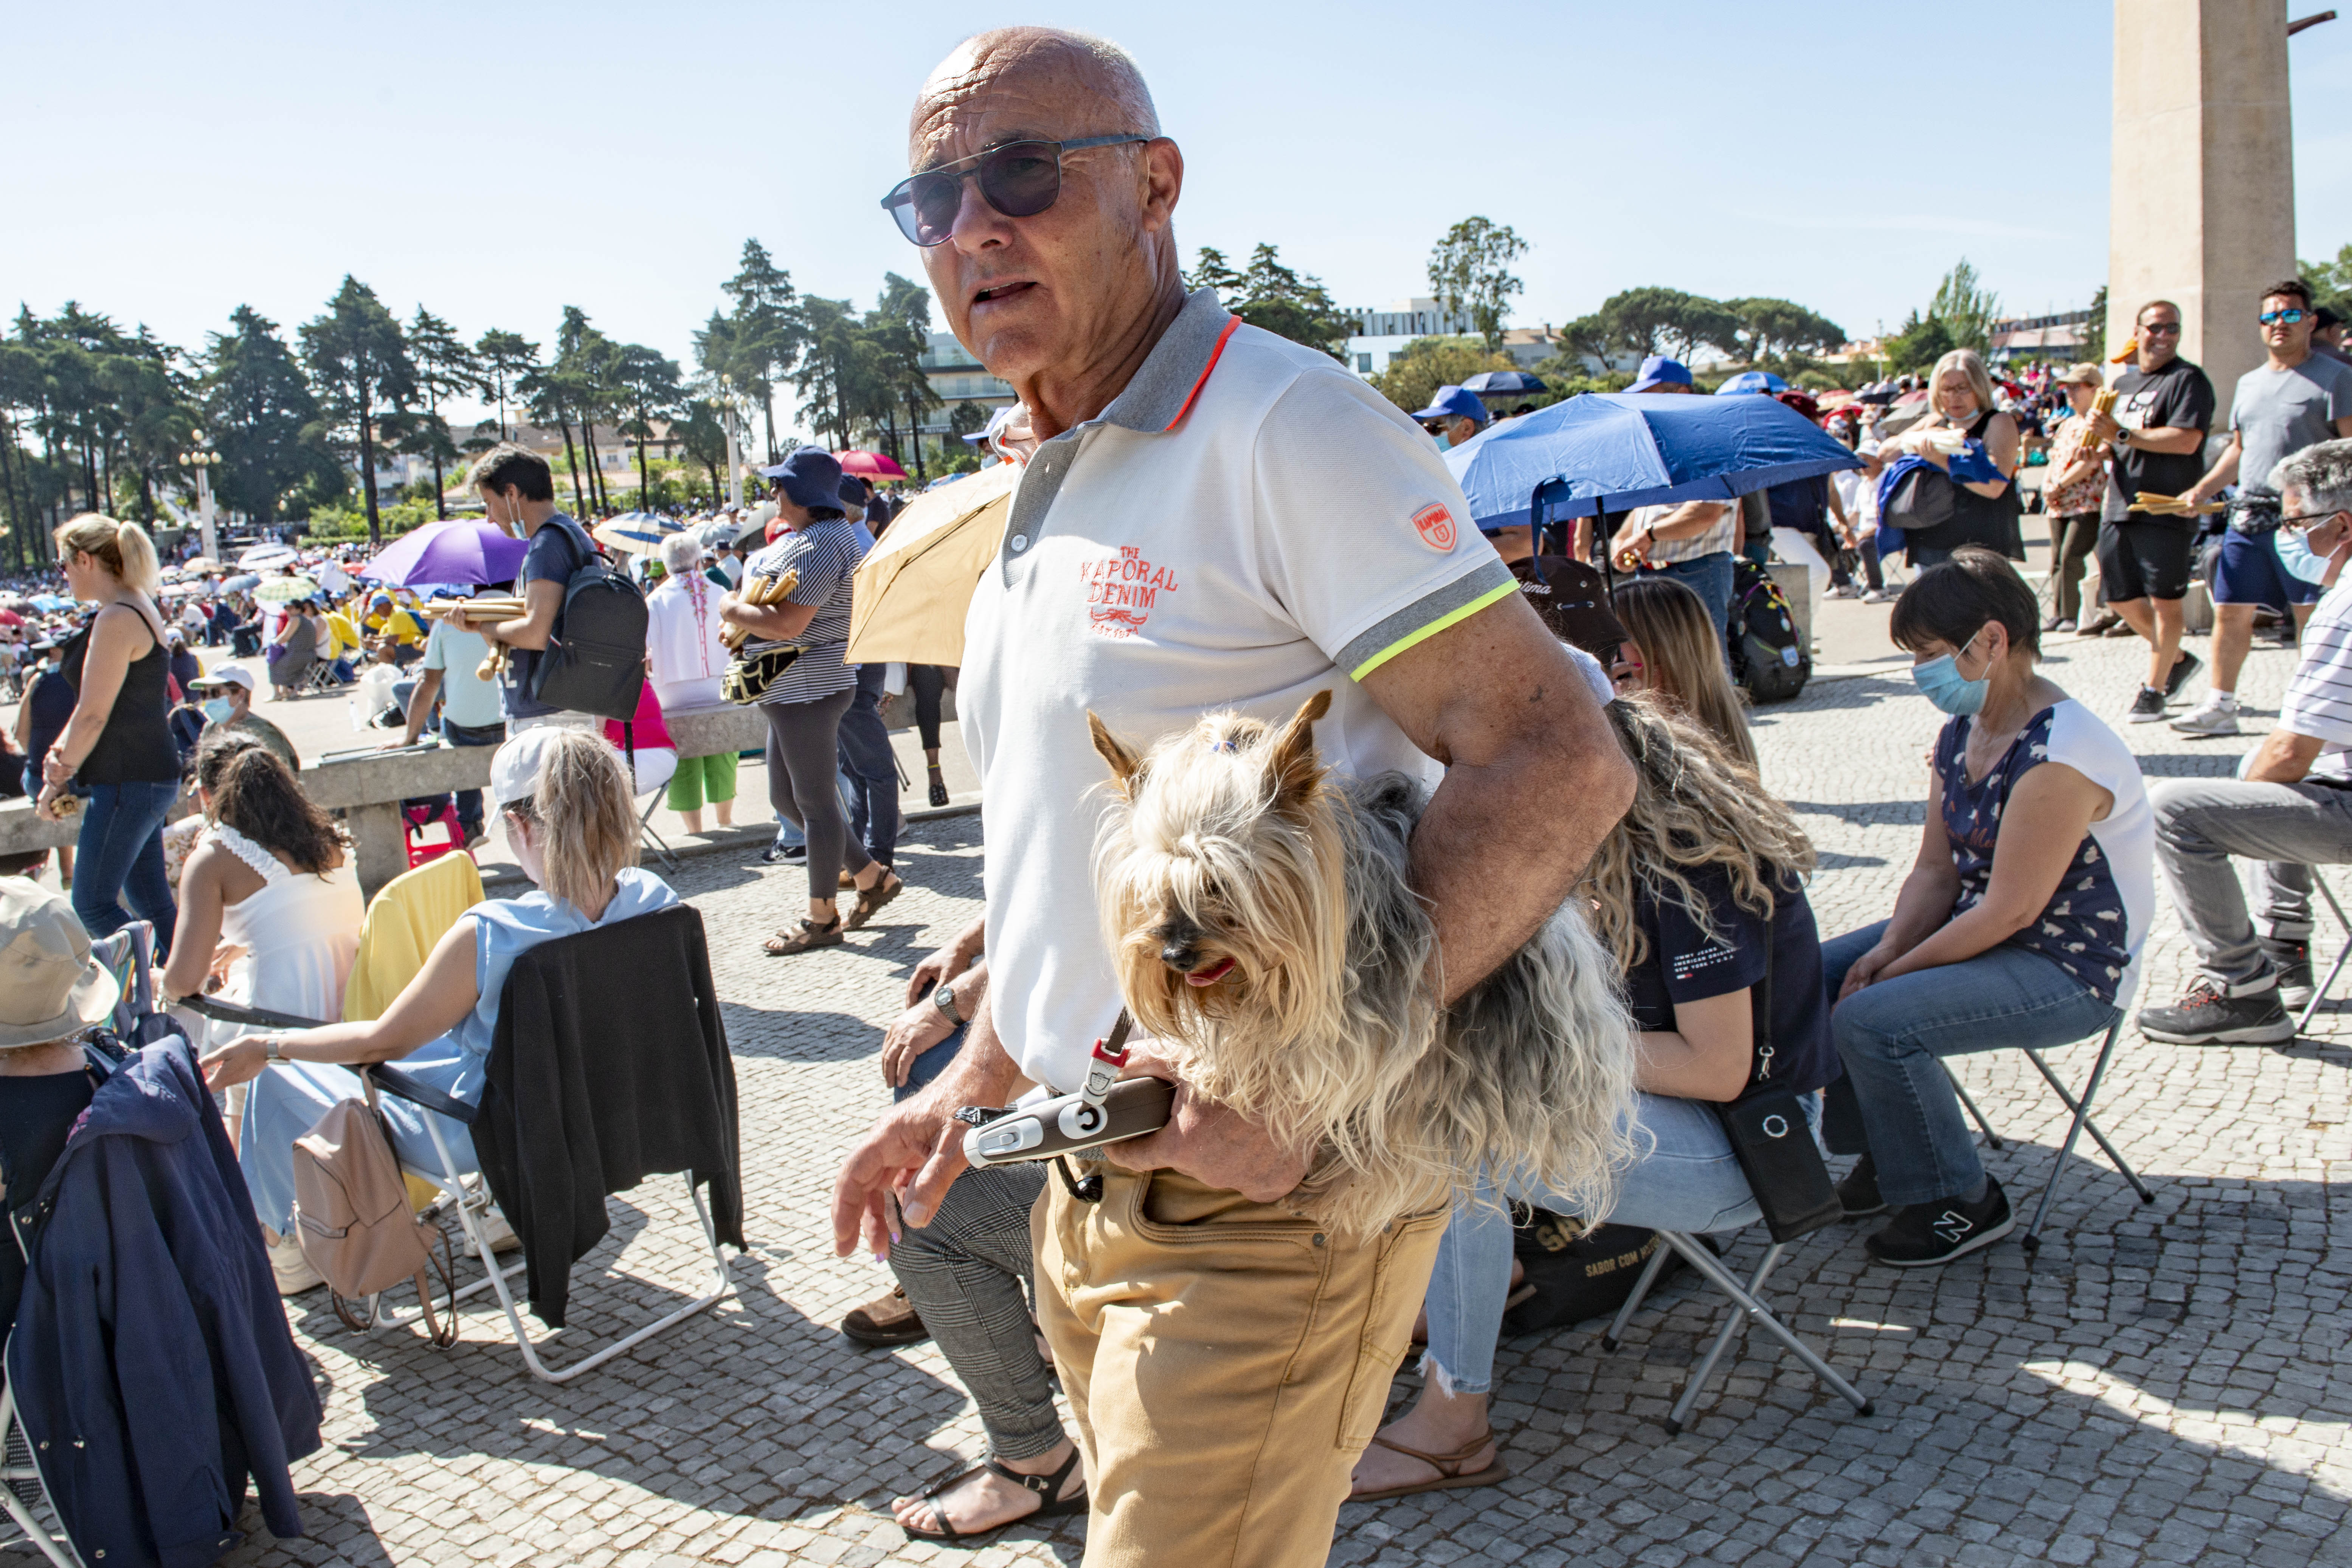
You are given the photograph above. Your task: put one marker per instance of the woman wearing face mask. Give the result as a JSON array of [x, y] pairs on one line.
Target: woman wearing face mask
[[2019, 924], [565, 801]]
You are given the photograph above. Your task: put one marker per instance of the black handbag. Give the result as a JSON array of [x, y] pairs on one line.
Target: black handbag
[[1772, 1141], [751, 674]]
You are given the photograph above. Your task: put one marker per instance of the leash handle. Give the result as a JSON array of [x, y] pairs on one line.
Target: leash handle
[[1109, 1062]]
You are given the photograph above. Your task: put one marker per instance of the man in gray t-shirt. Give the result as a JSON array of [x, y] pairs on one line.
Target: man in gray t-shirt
[[2296, 399]]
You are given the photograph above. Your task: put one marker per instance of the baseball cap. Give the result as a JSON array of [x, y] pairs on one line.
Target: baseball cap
[[514, 766], [1453, 403], [1660, 371], [809, 476], [2084, 375], [226, 675]]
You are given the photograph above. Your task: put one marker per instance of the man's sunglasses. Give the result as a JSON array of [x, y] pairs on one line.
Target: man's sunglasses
[[2271, 318], [1019, 179], [2160, 329]]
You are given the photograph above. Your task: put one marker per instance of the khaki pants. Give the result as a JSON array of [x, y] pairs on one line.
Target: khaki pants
[[1227, 1361]]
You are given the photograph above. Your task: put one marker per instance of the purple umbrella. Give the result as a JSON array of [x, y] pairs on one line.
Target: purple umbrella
[[457, 551]]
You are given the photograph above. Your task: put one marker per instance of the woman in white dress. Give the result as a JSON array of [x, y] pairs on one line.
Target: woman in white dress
[[269, 900], [685, 659]]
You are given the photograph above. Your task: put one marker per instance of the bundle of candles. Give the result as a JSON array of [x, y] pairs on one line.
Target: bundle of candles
[[473, 614], [2101, 402], [765, 591], [2171, 505]]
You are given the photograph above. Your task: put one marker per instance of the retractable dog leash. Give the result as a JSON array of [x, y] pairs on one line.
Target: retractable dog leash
[[1106, 1108]]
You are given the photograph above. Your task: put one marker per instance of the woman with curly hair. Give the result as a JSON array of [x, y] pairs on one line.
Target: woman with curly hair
[[1695, 892]]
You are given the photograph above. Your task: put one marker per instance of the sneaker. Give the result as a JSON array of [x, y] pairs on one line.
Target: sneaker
[[886, 1320], [2217, 715], [2102, 624], [2292, 962], [785, 855], [1858, 1194], [2183, 669], [2209, 1016], [1880, 596], [1842, 591], [293, 1271], [2148, 707], [495, 1230], [2062, 623], [1922, 1236]]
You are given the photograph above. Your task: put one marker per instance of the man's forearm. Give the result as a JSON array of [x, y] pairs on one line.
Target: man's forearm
[[982, 1074], [1493, 866], [2221, 474], [1688, 521]]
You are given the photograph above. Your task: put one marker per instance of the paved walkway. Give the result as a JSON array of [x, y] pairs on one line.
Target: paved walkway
[[2166, 1385]]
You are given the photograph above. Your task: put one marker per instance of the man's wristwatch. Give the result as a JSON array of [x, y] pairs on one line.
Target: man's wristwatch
[[943, 998], [269, 1048]]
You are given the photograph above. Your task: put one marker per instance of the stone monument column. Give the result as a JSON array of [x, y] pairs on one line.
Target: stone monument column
[[2202, 196]]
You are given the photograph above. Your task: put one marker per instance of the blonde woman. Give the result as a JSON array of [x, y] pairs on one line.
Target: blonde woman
[[1673, 650], [1970, 495], [1692, 890], [686, 660], [118, 745], [565, 801]]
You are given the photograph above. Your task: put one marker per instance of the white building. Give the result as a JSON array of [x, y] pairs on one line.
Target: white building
[[1381, 335]]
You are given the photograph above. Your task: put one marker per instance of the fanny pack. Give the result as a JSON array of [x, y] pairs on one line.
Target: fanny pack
[[749, 675], [2255, 512], [1773, 1141]]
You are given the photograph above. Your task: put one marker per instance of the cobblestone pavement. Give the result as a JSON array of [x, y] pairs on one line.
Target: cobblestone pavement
[[2166, 1384]]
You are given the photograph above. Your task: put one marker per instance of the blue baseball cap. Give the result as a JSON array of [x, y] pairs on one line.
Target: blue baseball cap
[[809, 476], [1660, 371], [1453, 403]]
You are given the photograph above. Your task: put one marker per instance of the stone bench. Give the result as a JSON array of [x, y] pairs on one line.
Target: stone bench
[[367, 787]]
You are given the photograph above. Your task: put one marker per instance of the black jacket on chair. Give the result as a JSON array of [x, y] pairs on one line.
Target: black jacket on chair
[[609, 1064]]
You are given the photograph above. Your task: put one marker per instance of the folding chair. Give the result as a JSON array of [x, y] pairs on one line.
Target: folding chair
[[1746, 1306], [21, 1488], [2081, 1109], [2319, 992]]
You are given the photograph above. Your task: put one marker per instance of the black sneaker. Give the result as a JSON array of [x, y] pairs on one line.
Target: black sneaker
[[2206, 1016], [2292, 962], [1858, 1194], [2183, 668], [1922, 1236], [785, 855], [2148, 707]]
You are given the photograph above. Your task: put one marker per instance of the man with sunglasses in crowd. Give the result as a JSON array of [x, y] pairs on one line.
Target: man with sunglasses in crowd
[[1207, 514], [2156, 443], [2294, 399], [2289, 810]]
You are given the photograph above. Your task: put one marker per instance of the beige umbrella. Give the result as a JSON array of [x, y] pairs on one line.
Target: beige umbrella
[[913, 589]]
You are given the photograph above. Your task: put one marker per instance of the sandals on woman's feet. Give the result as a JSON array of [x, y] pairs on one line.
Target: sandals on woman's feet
[[1448, 1468], [810, 935], [871, 900], [1046, 1488], [938, 788]]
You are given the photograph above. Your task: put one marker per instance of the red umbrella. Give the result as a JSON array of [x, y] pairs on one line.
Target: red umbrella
[[869, 466], [11, 618]]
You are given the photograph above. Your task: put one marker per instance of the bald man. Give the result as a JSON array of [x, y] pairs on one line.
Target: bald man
[[1208, 516]]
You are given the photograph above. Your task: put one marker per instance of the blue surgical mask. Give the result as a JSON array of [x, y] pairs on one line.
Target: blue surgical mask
[[1940, 682], [219, 709], [2296, 555], [1444, 441]]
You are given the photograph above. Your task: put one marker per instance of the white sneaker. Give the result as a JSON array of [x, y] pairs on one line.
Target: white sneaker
[[1881, 596], [1842, 591], [2214, 716], [293, 1270], [495, 1231]]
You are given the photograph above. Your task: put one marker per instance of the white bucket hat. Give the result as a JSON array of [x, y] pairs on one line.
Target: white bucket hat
[[50, 987]]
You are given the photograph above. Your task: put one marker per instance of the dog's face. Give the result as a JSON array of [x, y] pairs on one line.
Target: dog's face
[[1219, 878]]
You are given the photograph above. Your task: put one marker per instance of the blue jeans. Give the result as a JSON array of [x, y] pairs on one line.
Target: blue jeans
[[470, 801], [121, 852], [1708, 576], [1688, 1180], [930, 1064], [788, 832], [1894, 1036], [871, 767]]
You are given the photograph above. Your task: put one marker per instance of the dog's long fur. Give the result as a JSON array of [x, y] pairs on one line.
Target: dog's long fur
[[1231, 841]]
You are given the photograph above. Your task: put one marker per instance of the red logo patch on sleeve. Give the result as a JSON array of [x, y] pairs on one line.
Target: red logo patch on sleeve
[[1435, 526]]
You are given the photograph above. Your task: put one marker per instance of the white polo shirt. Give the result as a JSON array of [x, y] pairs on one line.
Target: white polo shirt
[[1245, 525]]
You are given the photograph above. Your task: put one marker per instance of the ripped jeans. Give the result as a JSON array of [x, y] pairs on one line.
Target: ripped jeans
[[1689, 1182]]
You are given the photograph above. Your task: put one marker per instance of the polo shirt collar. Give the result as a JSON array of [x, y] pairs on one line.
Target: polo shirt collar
[[1162, 392]]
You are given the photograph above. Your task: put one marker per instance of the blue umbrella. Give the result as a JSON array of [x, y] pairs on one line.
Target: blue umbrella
[[240, 583], [1762, 380], [1505, 383], [50, 604], [1612, 451]]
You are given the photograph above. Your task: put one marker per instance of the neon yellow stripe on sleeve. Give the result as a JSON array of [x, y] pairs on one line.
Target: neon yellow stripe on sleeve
[[1430, 630]]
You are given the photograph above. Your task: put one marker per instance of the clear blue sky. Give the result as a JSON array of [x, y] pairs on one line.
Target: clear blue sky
[[168, 163]]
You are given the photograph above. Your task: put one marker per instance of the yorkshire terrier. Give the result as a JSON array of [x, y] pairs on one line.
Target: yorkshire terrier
[[1262, 923]]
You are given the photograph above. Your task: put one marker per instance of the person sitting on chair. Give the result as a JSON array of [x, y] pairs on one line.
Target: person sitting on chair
[[2290, 808], [565, 803], [1692, 889], [2019, 924]]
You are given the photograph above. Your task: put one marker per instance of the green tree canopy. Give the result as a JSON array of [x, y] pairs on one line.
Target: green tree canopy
[[360, 368], [265, 424], [1775, 329], [1966, 307], [1920, 343], [505, 358], [1469, 271], [2330, 281], [1424, 364], [1284, 301], [767, 334]]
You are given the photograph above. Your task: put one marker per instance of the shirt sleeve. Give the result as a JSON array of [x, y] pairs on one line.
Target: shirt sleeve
[[551, 556], [437, 647], [2185, 404], [1365, 538], [2339, 395], [824, 563], [2319, 701], [1697, 966]]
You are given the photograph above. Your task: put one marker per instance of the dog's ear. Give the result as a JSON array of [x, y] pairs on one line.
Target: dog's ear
[[1295, 768], [1124, 764]]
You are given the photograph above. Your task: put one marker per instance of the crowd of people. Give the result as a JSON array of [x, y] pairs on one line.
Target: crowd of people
[[1210, 1327]]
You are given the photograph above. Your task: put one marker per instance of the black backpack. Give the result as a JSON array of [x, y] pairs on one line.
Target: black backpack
[[1768, 656], [595, 658]]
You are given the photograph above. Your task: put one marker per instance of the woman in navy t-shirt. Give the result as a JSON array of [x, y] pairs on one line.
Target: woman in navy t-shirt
[[1696, 892]]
